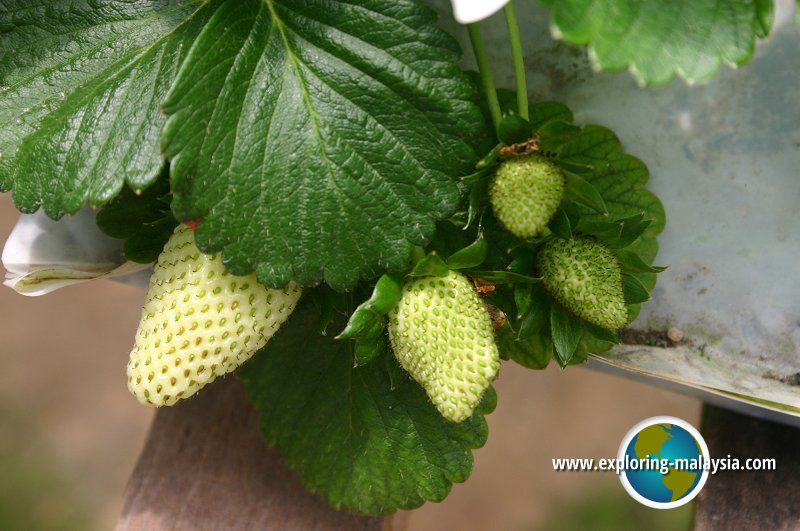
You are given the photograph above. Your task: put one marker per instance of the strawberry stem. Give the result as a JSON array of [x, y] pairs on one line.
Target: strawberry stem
[[519, 64], [486, 74]]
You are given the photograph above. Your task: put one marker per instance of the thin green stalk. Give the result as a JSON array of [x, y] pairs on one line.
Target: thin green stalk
[[519, 64], [486, 74]]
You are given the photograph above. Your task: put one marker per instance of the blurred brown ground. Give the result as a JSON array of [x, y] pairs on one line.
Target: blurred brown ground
[[65, 408]]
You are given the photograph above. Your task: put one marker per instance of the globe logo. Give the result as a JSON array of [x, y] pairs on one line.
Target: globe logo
[[663, 462]]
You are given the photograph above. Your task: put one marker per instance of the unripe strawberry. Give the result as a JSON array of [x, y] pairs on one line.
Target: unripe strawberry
[[525, 193], [442, 335], [584, 276], [199, 322]]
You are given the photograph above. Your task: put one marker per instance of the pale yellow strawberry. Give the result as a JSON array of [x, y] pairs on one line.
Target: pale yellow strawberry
[[525, 193], [199, 322], [441, 333]]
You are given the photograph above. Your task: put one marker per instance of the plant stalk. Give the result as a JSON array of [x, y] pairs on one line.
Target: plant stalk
[[486, 74], [516, 53]]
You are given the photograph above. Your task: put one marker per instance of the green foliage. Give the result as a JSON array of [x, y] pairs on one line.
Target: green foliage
[[80, 87], [365, 438], [333, 127], [620, 179], [566, 333], [656, 39], [143, 220], [605, 198], [320, 141]]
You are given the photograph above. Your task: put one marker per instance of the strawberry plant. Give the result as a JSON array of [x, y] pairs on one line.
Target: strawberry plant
[[364, 229]]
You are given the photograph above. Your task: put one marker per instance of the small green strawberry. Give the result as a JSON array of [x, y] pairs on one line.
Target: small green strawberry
[[584, 276], [442, 335], [525, 193], [199, 322]]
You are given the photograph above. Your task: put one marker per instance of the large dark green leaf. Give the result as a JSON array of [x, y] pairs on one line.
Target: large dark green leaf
[[319, 139], [80, 85], [365, 438], [657, 39]]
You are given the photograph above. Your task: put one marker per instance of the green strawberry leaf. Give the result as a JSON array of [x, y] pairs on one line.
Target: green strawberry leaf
[[81, 84], [656, 40], [556, 133], [620, 179], [543, 112], [364, 438], [331, 134]]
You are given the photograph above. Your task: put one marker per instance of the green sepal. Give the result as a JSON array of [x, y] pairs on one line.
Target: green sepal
[[523, 298], [329, 302], [385, 295], [581, 352], [142, 219], [631, 262], [616, 234], [387, 292], [535, 316], [504, 277], [573, 212], [632, 227], [146, 244], [127, 213], [533, 352], [368, 350], [522, 262], [582, 191], [634, 290], [471, 256], [478, 175], [600, 333], [606, 231], [431, 265], [490, 159], [514, 129], [560, 224], [478, 198], [566, 331], [371, 343]]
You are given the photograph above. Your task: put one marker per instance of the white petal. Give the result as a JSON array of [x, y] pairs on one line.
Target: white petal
[[42, 255], [469, 11]]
